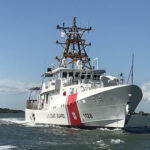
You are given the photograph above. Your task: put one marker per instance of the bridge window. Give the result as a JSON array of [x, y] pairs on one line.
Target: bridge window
[[64, 75], [88, 76], [83, 76], [77, 74], [95, 77], [70, 74]]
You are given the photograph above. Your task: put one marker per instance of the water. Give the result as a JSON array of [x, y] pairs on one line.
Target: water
[[16, 134]]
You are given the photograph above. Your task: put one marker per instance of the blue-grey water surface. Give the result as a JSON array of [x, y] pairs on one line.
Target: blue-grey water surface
[[16, 134]]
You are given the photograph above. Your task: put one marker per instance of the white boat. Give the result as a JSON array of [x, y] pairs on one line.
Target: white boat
[[77, 94]]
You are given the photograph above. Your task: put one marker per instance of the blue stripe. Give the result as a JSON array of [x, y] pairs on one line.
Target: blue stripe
[[67, 111]]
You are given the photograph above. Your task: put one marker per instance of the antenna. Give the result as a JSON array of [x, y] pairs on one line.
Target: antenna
[[97, 62], [132, 68], [131, 71]]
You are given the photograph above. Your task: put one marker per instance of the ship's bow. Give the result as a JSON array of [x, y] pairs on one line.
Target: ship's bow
[[108, 107]]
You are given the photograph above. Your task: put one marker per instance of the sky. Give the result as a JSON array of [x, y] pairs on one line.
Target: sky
[[28, 41]]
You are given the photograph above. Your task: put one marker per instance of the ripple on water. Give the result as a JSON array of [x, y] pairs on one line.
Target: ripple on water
[[7, 147], [101, 144], [116, 141]]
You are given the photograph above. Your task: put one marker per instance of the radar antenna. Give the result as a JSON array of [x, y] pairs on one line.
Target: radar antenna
[[74, 46]]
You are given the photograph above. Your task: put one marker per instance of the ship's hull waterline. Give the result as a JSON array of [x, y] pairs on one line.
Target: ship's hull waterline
[[101, 107]]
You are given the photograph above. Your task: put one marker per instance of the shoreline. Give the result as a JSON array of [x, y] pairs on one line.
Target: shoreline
[[7, 110]]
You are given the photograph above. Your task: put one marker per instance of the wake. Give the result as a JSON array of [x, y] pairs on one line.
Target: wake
[[22, 122], [8, 121]]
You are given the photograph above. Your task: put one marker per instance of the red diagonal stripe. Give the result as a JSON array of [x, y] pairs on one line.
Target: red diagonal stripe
[[74, 115]]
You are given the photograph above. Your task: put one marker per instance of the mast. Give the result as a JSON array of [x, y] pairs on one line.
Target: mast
[[131, 70], [74, 46]]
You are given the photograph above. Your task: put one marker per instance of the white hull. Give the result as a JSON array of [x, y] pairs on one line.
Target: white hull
[[101, 107]]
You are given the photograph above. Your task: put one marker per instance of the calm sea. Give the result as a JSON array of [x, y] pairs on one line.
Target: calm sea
[[16, 134]]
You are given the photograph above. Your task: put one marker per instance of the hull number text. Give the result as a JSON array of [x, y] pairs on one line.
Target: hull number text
[[88, 115]]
